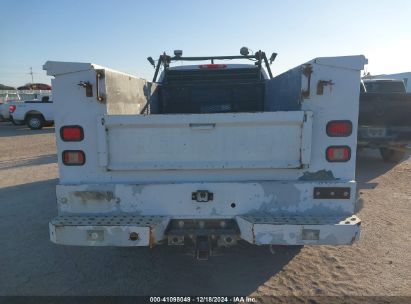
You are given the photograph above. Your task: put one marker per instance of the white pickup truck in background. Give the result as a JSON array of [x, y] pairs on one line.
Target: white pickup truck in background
[[208, 155], [5, 100], [35, 113]]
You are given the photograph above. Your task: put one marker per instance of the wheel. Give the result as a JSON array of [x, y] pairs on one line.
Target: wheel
[[35, 122], [391, 155]]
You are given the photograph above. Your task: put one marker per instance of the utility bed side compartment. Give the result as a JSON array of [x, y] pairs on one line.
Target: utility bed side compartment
[[329, 88]]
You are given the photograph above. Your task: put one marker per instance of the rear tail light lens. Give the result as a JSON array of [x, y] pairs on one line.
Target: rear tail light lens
[[73, 158], [339, 128], [338, 153], [71, 133], [212, 66], [12, 109]]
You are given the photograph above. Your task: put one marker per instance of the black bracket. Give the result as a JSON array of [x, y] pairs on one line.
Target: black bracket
[[332, 192], [165, 60], [321, 84], [88, 86]]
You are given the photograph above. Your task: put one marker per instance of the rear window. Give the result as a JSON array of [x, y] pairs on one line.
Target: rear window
[[385, 87], [223, 75]]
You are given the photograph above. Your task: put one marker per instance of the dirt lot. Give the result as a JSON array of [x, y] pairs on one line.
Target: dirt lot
[[379, 264]]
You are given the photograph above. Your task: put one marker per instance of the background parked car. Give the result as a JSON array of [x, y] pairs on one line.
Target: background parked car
[[35, 113], [384, 118]]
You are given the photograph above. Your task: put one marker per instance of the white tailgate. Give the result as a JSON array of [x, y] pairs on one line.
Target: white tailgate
[[205, 141]]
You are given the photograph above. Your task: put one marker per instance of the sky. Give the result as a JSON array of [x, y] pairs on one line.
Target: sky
[[121, 34]]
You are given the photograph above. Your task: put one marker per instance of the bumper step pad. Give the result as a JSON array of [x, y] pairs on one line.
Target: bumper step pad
[[299, 230], [110, 230]]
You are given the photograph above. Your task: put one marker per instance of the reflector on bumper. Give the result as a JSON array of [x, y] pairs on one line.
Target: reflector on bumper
[[299, 230]]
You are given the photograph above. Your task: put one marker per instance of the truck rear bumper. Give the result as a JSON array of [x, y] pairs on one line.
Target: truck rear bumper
[[299, 230], [126, 230], [376, 137]]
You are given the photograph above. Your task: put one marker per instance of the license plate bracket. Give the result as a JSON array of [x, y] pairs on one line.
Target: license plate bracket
[[376, 132]]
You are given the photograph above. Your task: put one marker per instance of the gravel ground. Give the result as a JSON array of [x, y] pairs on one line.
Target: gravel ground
[[379, 264]]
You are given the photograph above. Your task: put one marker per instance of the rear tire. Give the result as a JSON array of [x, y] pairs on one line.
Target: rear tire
[[391, 155], [35, 122]]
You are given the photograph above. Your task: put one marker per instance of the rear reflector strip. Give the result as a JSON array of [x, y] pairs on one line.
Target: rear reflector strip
[[338, 153], [71, 133], [332, 192], [339, 128], [73, 158]]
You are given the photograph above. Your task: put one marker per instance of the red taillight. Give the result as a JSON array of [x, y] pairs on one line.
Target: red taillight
[[73, 158], [212, 66], [71, 133], [12, 109], [339, 128], [338, 153]]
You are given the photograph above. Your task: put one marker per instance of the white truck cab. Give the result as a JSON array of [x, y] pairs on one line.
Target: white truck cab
[[208, 155]]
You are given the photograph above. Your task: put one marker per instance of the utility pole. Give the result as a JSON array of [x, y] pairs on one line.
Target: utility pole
[[31, 73]]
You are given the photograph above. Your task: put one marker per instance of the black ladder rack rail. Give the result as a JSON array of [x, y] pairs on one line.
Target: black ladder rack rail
[[165, 60]]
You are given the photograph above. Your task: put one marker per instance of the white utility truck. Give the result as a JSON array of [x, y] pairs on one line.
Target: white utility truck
[[208, 154]]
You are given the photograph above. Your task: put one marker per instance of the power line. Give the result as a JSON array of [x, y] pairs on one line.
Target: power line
[[18, 73]]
